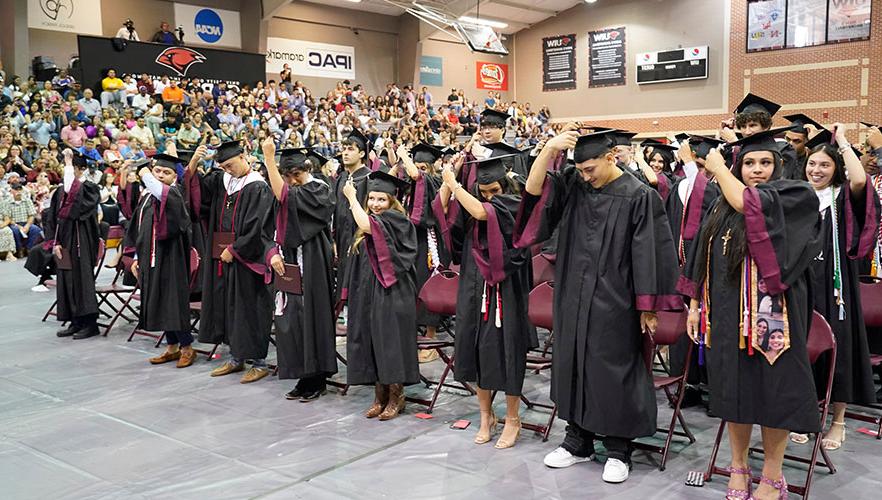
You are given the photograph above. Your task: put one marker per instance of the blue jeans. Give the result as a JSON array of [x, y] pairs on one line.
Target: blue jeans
[[21, 241], [183, 337]]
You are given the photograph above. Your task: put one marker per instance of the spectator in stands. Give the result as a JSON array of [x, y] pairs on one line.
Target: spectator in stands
[[165, 35], [142, 133], [62, 82], [59, 120], [91, 153], [15, 161], [40, 127], [113, 90], [172, 94], [90, 107], [19, 209], [128, 32], [187, 137]]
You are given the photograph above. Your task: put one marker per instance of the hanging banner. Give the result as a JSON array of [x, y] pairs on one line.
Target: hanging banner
[[208, 26], [848, 20], [766, 25], [606, 56], [324, 60], [431, 72], [559, 63], [72, 16], [491, 76]]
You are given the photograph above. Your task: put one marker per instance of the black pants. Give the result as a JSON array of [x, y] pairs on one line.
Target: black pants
[[313, 383], [85, 321], [580, 443]]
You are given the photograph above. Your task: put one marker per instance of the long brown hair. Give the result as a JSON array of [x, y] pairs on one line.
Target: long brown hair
[[360, 234]]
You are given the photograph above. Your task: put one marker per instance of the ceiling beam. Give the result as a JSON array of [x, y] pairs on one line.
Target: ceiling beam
[[272, 7], [530, 8]]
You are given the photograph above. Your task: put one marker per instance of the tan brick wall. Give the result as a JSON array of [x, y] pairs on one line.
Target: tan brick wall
[[827, 94]]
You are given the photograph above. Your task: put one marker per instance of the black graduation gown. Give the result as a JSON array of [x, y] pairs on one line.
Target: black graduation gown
[[781, 230], [615, 258], [75, 218], [344, 227], [40, 261], [381, 334], [418, 204], [858, 223], [684, 230], [793, 165], [192, 192], [236, 302], [165, 294], [494, 357], [305, 329]]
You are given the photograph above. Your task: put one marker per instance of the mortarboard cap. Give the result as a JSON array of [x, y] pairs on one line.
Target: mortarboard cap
[[760, 141], [293, 159], [823, 137], [185, 155], [425, 153], [493, 117], [623, 138], [502, 148], [753, 104], [382, 182], [167, 161], [316, 158], [681, 137], [702, 144], [869, 125], [79, 160], [137, 164], [493, 169], [228, 150], [593, 145], [358, 138], [658, 145], [799, 121]]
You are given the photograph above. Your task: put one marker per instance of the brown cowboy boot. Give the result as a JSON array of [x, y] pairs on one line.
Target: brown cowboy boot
[[396, 402], [381, 397]]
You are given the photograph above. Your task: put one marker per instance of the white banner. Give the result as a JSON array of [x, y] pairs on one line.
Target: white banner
[[82, 17], [310, 58], [209, 26]]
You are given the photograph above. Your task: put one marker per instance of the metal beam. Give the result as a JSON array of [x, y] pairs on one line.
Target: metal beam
[[527, 7]]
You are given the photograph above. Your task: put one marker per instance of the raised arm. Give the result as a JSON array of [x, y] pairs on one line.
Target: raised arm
[[468, 202], [648, 172], [732, 188], [272, 170], [857, 176], [561, 142], [412, 171], [68, 169], [361, 218]]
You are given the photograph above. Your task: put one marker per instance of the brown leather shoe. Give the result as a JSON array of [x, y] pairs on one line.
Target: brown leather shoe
[[381, 397], [188, 357], [165, 357], [396, 402], [226, 369], [253, 375]]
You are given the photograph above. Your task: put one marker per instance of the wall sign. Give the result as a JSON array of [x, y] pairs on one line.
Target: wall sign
[[431, 71], [310, 58], [606, 55], [848, 20], [559, 63], [73, 16], [766, 24], [491, 76], [208, 26]]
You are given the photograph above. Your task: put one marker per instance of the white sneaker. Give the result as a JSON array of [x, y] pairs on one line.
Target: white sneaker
[[40, 288], [561, 458], [615, 471]]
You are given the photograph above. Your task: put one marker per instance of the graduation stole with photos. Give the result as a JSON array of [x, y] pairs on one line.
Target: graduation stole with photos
[[876, 261]]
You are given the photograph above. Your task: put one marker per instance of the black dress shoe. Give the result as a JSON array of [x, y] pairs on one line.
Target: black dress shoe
[[311, 396], [67, 332], [89, 331], [295, 393]]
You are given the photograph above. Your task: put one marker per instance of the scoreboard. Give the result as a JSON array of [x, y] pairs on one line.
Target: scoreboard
[[689, 63]]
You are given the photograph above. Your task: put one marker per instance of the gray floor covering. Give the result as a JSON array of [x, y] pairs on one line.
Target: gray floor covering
[[92, 419]]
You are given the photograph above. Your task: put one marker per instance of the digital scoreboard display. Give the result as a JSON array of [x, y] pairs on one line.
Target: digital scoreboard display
[[672, 65]]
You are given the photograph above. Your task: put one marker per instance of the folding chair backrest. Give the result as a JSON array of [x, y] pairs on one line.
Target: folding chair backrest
[[820, 338], [671, 326], [543, 269], [438, 294], [116, 233], [871, 303], [194, 264], [541, 308], [101, 248]]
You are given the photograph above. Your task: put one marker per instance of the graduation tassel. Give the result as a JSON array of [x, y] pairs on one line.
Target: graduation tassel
[[484, 305], [498, 308]]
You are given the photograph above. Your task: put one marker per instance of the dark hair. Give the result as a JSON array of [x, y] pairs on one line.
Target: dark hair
[[761, 117], [306, 166], [509, 186], [830, 150], [667, 157], [723, 215], [765, 342]]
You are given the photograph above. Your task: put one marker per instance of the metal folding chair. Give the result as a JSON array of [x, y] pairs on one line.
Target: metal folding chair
[[871, 305]]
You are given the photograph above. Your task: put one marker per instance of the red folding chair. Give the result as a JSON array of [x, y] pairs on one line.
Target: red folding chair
[[871, 304], [54, 283], [438, 296], [820, 340], [671, 327], [340, 332], [543, 269]]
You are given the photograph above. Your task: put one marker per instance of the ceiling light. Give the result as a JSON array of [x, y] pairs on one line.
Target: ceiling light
[[483, 22], [586, 1], [354, 1]]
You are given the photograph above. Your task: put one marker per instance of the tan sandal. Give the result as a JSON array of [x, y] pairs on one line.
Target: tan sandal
[[481, 437], [799, 438], [834, 444]]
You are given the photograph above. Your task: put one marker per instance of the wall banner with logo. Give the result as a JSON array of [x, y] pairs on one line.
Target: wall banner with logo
[[72, 16], [97, 55], [766, 24], [848, 20], [559, 63], [324, 60], [431, 72], [606, 56], [491, 76], [209, 26]]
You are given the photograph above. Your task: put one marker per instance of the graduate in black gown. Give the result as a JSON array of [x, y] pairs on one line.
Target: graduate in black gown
[[493, 331], [381, 344], [353, 157], [425, 181], [753, 115], [850, 224], [489, 138], [189, 185], [305, 333], [616, 267], [159, 237], [657, 162], [872, 161], [236, 303], [74, 214], [749, 277], [803, 129]]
